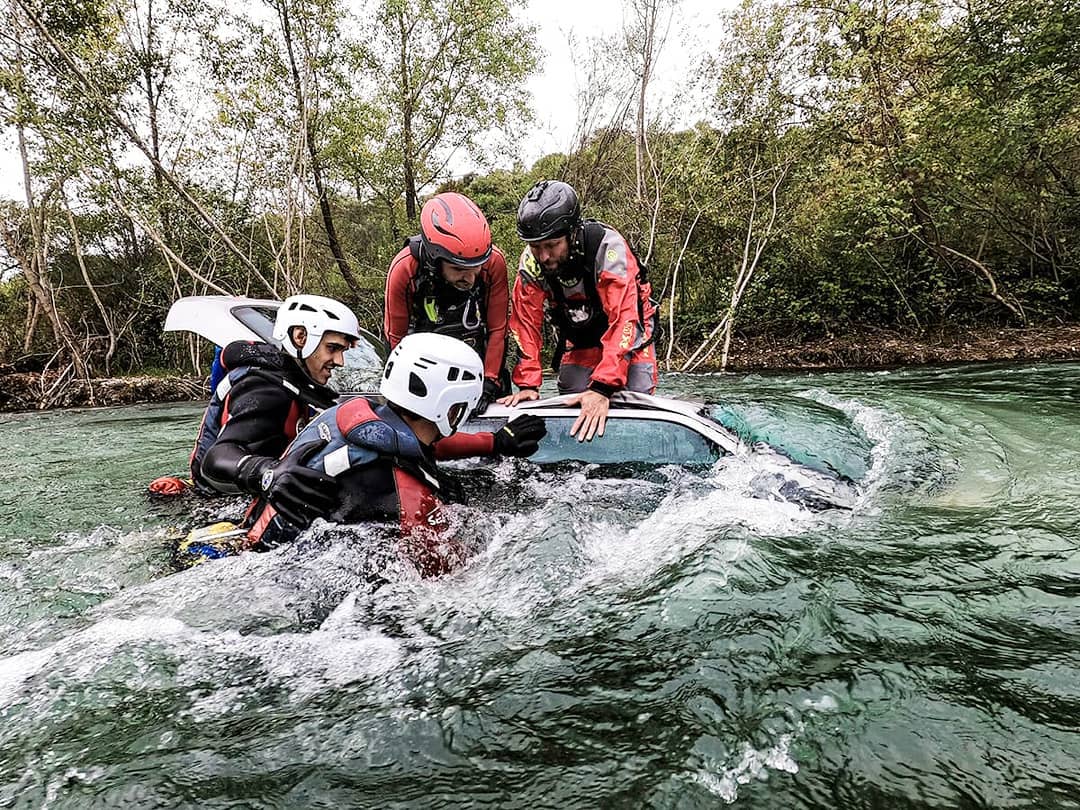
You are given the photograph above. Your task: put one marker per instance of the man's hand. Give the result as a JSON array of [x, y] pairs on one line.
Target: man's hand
[[520, 437], [593, 416], [299, 493], [524, 395], [491, 391]]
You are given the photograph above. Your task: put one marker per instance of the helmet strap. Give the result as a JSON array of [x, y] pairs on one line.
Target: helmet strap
[[577, 240]]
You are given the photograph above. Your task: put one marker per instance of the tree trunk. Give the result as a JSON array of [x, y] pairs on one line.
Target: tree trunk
[[309, 133], [34, 263], [673, 300], [407, 138], [647, 12], [750, 263], [33, 315], [137, 141], [758, 236], [106, 318], [153, 91]]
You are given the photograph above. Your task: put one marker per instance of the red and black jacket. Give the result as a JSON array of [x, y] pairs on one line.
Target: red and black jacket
[[384, 472], [418, 299], [255, 411], [600, 297]]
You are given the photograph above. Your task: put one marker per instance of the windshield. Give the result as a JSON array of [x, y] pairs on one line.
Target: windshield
[[649, 441], [363, 366]]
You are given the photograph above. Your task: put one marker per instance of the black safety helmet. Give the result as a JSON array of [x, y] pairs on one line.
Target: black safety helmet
[[549, 209]]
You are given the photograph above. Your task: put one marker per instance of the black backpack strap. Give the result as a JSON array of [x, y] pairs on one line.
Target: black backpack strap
[[558, 319], [423, 282], [416, 247], [592, 236]]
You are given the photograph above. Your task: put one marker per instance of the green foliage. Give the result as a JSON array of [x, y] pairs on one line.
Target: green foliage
[[924, 160], [12, 318], [444, 74]]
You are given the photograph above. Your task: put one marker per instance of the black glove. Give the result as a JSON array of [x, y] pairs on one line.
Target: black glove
[[520, 437], [492, 391], [299, 493]]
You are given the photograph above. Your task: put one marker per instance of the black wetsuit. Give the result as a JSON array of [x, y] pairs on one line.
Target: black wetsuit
[[264, 400], [384, 471]]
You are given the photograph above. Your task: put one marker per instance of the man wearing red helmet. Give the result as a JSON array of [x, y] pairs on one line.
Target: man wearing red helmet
[[450, 279]]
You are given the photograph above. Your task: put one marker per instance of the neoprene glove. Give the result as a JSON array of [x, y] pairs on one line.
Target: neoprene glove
[[492, 390], [299, 493], [520, 437]]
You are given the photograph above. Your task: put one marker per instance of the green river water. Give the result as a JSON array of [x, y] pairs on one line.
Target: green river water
[[655, 639]]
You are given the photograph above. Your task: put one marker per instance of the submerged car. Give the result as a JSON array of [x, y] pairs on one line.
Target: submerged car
[[642, 429]]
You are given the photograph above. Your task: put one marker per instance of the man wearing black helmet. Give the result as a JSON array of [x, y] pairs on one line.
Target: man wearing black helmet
[[585, 277], [451, 280]]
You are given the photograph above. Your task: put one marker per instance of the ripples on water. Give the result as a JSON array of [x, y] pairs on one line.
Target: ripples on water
[[653, 638]]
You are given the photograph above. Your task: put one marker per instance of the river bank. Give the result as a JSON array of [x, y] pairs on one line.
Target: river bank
[[37, 391], [869, 348], [886, 348]]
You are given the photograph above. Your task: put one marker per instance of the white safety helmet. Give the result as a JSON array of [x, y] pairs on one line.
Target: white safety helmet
[[434, 376], [317, 315]]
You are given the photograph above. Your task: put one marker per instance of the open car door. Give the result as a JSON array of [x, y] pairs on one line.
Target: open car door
[[221, 319]]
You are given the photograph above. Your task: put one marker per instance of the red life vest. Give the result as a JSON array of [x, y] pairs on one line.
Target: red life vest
[[361, 434]]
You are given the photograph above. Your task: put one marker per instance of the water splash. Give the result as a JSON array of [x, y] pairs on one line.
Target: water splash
[[753, 765]]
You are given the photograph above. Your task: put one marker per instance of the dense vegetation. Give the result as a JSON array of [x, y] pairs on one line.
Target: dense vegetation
[[907, 163]]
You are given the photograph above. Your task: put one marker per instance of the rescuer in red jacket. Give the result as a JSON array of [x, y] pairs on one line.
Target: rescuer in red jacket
[[584, 277], [451, 280]]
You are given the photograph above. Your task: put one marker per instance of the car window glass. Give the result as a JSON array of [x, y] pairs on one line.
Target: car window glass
[[361, 371], [651, 441], [259, 320]]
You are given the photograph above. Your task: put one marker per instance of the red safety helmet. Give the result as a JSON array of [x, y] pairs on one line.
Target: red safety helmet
[[454, 229]]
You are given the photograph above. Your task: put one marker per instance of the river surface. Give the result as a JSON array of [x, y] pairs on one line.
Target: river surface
[[658, 639]]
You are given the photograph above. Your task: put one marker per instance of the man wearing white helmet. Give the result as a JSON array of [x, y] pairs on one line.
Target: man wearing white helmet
[[267, 395], [379, 453]]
